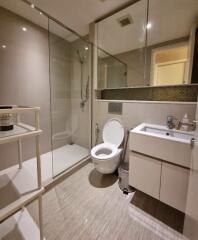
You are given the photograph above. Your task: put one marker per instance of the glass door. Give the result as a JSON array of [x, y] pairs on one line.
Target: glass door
[[70, 97]]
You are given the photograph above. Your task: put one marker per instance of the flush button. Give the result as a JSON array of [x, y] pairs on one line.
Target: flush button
[[115, 108]]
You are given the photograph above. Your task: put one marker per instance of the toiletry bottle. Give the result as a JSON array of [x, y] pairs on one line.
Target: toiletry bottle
[[6, 120], [185, 123]]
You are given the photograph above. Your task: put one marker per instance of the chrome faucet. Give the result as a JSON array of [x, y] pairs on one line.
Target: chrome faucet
[[173, 122]]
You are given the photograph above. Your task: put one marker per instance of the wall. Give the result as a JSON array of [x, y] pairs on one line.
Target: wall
[[136, 112], [138, 74], [26, 74], [80, 117], [60, 80], [70, 122], [24, 71], [135, 61], [111, 73]]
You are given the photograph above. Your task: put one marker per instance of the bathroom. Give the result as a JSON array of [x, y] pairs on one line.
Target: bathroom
[[93, 107]]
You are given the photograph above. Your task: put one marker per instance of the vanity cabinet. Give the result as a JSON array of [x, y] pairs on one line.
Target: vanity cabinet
[[163, 181], [174, 186], [144, 174]]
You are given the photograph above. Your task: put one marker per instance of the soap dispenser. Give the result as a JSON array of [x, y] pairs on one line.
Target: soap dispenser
[[185, 123]]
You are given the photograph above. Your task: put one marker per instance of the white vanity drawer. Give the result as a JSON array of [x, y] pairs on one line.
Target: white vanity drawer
[[144, 174], [174, 186]]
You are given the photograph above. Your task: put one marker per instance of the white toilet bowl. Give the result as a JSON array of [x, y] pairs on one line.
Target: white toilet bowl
[[106, 156]]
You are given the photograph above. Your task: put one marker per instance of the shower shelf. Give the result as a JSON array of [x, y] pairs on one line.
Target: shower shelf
[[19, 132]]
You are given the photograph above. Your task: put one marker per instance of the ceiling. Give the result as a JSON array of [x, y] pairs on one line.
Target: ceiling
[[78, 14], [170, 19], [116, 39], [75, 14], [24, 10]]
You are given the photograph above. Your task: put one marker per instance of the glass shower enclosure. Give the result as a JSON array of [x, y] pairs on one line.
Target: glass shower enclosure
[[70, 97]]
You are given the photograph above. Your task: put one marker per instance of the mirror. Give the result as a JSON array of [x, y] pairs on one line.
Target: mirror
[[153, 44], [122, 36]]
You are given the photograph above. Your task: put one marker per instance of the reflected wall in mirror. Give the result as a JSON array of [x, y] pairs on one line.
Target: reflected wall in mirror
[[112, 72], [122, 36], [157, 49]]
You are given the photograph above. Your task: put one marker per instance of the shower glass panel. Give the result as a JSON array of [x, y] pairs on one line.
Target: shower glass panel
[[70, 97]]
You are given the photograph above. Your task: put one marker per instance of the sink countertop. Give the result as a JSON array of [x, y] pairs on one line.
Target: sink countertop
[[140, 130]]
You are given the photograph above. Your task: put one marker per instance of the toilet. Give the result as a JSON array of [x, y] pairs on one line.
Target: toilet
[[106, 156]]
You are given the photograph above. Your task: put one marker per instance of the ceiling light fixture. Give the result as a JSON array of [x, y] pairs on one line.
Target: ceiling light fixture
[[40, 13], [24, 29], [32, 5], [149, 25], [86, 48], [4, 46]]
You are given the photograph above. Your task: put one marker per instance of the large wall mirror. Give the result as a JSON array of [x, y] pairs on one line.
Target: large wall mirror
[[149, 43]]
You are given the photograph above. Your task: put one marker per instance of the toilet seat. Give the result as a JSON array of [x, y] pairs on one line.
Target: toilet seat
[[113, 132], [106, 156], [104, 151]]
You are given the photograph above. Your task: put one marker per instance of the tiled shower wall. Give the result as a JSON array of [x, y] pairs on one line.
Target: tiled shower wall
[[24, 78]]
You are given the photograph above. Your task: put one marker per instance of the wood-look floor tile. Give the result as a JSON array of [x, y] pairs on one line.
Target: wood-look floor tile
[[90, 206]]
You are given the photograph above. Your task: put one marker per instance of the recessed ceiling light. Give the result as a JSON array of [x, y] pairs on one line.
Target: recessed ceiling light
[[32, 5], [24, 29], [149, 25], [40, 13], [86, 48], [4, 46]]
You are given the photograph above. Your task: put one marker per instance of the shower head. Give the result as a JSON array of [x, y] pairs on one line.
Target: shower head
[[81, 58]]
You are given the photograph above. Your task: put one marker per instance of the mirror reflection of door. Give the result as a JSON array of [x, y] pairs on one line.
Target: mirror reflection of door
[[169, 65]]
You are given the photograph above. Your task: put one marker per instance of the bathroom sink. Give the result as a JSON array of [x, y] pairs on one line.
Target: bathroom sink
[[167, 133], [160, 142]]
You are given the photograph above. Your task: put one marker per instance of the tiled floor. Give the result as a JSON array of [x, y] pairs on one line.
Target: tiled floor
[[67, 156], [90, 206], [15, 182], [63, 158]]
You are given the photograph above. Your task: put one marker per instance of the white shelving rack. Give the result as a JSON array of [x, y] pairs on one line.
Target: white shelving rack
[[18, 206]]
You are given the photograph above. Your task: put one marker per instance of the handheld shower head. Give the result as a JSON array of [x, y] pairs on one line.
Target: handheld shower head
[[81, 58]]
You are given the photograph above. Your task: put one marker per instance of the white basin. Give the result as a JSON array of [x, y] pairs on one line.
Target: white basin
[[160, 142], [175, 134]]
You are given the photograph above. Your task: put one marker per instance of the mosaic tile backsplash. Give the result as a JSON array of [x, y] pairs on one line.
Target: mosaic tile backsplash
[[185, 93]]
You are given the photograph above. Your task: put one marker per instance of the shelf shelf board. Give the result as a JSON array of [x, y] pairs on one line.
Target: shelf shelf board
[[19, 203], [20, 130], [19, 109]]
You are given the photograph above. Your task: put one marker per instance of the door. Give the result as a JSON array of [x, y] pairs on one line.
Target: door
[[191, 218], [170, 73]]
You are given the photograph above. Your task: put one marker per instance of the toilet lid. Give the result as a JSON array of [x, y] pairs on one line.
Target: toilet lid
[[113, 132]]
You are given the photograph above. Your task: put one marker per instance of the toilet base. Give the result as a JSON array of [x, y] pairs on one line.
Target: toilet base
[[107, 166]]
